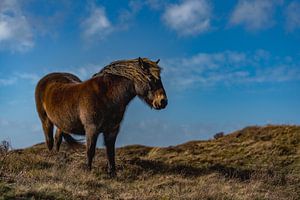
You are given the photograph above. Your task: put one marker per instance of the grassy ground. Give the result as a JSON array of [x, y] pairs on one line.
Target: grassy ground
[[253, 163]]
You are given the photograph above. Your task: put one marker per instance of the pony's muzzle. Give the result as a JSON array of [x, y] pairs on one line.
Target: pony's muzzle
[[160, 100], [163, 103], [160, 104]]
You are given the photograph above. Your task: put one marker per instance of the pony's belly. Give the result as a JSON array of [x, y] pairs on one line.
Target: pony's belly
[[74, 130], [65, 119], [69, 126]]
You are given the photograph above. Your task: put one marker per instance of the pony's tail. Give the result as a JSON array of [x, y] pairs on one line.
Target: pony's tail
[[72, 142]]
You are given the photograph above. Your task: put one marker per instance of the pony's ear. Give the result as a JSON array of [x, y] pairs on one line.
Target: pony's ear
[[157, 61], [141, 62]]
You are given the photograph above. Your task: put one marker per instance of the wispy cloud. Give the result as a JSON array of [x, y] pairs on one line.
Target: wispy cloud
[[127, 16], [152, 4], [15, 30], [254, 14], [190, 17], [83, 72], [97, 24], [230, 67], [86, 71], [156, 4], [32, 77], [14, 78], [7, 81], [292, 14]]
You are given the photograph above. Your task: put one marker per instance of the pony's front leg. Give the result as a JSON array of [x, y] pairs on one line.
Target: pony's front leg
[[91, 141], [110, 140]]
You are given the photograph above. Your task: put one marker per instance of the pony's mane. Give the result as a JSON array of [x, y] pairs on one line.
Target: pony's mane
[[130, 69]]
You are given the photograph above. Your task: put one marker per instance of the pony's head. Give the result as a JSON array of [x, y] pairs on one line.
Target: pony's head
[[151, 89], [145, 76]]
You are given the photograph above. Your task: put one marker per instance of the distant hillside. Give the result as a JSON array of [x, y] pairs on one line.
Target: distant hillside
[[252, 163]]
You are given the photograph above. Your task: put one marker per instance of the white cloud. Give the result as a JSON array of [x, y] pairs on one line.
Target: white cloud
[[191, 17], [292, 14], [96, 25], [229, 67], [15, 30], [254, 14]]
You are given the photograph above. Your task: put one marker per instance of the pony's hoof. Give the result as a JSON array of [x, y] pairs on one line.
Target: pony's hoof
[[112, 174], [50, 147], [86, 168], [49, 144]]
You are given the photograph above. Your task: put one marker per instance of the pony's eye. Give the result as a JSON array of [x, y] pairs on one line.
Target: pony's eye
[[153, 83]]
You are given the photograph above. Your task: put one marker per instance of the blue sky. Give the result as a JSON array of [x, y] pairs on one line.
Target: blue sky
[[226, 65]]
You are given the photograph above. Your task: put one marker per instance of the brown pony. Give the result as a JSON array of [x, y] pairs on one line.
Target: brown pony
[[97, 104]]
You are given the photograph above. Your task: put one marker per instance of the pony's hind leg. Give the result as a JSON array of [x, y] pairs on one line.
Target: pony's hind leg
[[58, 138], [48, 131], [91, 141]]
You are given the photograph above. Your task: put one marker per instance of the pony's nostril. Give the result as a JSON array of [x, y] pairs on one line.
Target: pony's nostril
[[164, 102]]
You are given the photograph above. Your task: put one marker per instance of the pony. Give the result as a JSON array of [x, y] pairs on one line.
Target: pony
[[96, 105]]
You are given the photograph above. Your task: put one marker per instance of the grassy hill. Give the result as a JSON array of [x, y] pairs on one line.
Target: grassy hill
[[253, 163]]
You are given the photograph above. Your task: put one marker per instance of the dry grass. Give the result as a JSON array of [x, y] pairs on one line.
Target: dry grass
[[253, 163]]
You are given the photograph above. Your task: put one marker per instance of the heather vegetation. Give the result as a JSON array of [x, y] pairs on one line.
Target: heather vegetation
[[252, 163]]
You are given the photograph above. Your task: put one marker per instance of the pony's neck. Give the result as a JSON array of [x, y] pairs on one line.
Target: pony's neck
[[118, 89]]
